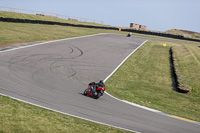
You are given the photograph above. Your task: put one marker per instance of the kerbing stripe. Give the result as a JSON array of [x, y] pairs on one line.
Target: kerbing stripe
[[184, 119]]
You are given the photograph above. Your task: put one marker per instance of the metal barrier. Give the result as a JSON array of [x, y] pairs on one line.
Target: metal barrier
[[16, 10]]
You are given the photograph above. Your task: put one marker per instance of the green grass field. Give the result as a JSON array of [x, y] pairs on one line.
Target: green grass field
[[11, 33], [19, 117], [145, 79]]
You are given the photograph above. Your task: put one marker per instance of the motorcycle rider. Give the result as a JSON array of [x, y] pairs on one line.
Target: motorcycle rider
[[129, 34], [94, 86]]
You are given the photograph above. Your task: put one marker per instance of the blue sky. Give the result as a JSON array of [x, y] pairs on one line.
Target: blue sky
[[158, 15]]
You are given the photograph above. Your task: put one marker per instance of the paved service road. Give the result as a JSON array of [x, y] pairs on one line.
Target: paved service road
[[55, 74]]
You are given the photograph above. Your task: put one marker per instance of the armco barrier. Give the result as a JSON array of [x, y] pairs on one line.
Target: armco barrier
[[97, 27]]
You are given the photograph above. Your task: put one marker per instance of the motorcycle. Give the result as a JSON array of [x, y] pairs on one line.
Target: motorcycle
[[129, 34], [95, 90]]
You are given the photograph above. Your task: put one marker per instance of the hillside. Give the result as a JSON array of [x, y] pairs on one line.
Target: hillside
[[44, 18], [20, 33], [53, 20], [184, 33]]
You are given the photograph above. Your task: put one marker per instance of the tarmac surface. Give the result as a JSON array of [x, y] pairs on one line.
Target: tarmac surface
[[54, 75]]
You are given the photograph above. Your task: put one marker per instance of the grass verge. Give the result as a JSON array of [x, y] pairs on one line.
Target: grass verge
[[44, 18], [20, 33], [187, 58], [185, 33], [146, 79], [21, 117]]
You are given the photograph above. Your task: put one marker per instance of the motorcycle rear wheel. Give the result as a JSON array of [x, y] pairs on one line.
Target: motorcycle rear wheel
[[85, 92]]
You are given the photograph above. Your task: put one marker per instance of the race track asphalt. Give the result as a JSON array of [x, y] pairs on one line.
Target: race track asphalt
[[55, 74]]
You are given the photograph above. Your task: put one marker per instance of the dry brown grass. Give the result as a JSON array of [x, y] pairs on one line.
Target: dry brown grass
[[185, 33]]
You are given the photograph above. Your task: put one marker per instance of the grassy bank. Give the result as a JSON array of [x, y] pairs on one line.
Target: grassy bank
[[44, 18], [188, 65], [185, 33], [20, 33], [21, 117], [145, 78]]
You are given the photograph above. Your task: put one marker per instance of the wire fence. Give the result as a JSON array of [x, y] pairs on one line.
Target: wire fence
[[16, 10]]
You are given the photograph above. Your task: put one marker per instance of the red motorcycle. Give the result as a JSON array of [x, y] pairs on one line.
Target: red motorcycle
[[95, 90]]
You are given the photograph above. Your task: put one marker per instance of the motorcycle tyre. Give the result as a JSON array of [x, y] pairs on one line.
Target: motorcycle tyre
[[97, 96], [85, 92]]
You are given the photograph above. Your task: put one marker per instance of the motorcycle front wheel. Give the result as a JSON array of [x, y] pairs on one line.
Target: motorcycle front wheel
[[97, 96]]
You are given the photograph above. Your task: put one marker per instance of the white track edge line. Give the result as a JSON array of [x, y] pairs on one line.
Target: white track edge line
[[124, 60], [67, 113], [140, 106], [127, 102], [134, 104], [51, 42]]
